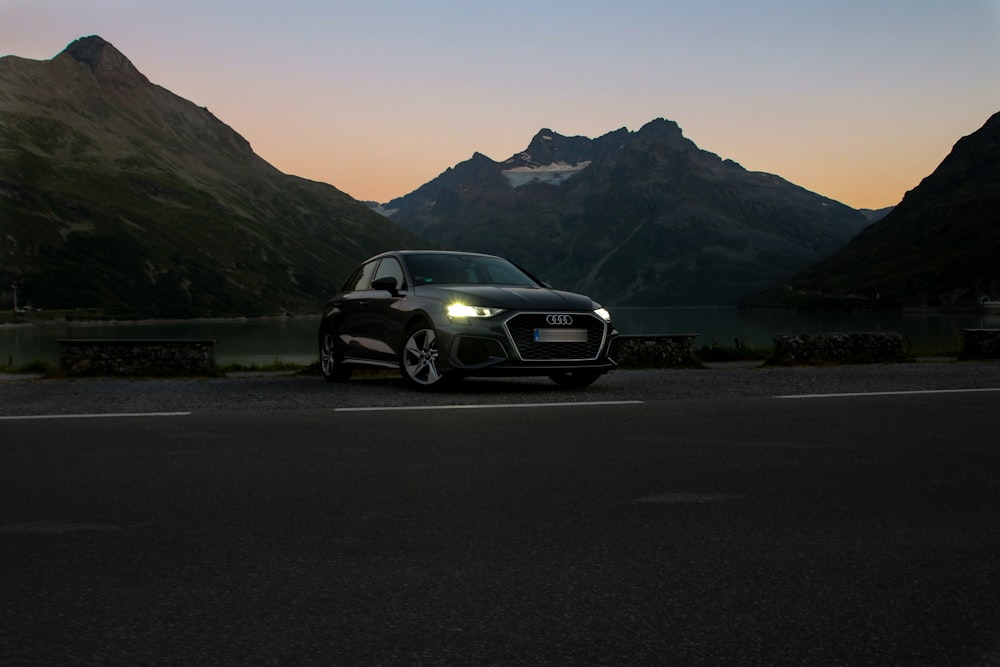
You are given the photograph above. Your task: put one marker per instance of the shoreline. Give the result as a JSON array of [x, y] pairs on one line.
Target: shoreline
[[63, 322]]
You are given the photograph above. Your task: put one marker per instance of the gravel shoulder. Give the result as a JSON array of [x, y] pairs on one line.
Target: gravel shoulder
[[30, 395]]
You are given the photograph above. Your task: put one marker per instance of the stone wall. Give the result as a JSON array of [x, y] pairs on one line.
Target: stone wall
[[840, 348], [980, 344], [136, 357], [657, 351]]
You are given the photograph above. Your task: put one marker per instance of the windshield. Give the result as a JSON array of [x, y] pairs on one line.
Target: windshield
[[430, 269]]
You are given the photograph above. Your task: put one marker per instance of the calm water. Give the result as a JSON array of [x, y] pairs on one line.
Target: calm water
[[294, 340]]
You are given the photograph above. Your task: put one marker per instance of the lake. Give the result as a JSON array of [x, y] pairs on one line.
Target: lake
[[294, 339]]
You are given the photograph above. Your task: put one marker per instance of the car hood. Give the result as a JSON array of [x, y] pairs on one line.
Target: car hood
[[512, 298]]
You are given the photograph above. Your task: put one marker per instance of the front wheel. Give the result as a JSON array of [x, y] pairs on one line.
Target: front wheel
[[575, 378], [331, 363], [419, 361]]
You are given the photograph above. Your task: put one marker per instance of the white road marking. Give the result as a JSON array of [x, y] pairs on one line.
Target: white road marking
[[95, 415], [892, 393], [52, 527], [674, 498], [486, 406]]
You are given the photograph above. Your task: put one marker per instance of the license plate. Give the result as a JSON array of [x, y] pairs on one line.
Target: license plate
[[560, 335]]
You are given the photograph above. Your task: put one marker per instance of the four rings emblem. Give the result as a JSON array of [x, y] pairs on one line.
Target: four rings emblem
[[559, 320]]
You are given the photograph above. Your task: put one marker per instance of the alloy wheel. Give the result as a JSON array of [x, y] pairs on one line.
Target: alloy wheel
[[329, 359], [420, 357]]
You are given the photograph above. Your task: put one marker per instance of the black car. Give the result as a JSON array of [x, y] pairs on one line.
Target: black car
[[441, 315]]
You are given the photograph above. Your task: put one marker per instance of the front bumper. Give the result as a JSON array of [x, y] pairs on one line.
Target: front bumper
[[525, 343]]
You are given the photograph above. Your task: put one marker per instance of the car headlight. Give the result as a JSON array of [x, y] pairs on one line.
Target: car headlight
[[462, 310], [603, 314]]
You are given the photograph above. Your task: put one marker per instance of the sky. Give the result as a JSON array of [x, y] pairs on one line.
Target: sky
[[857, 100]]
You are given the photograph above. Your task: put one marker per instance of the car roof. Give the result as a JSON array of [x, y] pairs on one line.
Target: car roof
[[406, 253]]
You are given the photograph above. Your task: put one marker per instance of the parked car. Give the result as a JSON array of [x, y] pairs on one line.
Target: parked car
[[438, 315]]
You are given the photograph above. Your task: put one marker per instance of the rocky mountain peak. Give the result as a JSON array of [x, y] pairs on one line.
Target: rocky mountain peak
[[104, 60], [663, 131], [479, 158], [548, 147]]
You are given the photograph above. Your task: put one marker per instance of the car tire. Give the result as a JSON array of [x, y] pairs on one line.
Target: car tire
[[575, 378], [331, 361], [418, 360]]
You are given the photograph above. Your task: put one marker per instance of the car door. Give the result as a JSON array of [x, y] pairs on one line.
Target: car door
[[353, 325], [385, 319]]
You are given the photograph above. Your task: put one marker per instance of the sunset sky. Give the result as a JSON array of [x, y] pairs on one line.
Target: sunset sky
[[857, 100]]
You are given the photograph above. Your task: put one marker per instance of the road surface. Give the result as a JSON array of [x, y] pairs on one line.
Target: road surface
[[743, 516]]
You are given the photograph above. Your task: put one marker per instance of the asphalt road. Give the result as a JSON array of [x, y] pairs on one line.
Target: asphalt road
[[714, 517]]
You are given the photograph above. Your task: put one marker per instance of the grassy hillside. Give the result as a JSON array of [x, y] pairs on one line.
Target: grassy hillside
[[116, 194], [940, 247]]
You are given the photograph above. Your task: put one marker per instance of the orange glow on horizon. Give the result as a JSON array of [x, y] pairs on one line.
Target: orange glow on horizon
[[855, 101], [376, 173]]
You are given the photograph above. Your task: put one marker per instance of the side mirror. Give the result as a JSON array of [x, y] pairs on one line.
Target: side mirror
[[386, 284]]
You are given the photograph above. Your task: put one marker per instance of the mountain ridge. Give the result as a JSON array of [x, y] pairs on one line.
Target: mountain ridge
[[118, 194], [940, 247], [702, 230]]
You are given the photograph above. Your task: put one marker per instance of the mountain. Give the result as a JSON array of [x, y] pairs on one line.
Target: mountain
[[939, 247], [875, 214], [117, 194], [633, 218]]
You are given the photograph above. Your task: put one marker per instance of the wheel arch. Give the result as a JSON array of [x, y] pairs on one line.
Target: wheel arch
[[416, 318]]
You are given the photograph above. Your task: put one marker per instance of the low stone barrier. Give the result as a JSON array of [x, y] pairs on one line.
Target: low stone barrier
[[657, 351], [136, 357], [839, 348], [980, 344]]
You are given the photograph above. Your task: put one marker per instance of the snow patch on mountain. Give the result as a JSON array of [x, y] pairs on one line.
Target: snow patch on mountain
[[553, 174]]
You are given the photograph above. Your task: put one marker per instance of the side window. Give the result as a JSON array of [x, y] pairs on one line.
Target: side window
[[360, 279], [352, 281], [390, 267]]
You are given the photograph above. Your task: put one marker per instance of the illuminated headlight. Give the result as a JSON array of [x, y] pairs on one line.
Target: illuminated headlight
[[461, 310], [603, 314]]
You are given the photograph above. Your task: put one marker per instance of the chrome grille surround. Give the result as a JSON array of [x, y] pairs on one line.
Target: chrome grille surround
[[521, 327]]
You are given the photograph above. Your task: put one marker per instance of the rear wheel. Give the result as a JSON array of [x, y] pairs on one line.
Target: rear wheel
[[419, 358], [331, 361], [575, 378]]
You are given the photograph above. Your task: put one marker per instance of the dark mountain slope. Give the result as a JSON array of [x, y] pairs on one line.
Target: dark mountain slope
[[939, 247], [117, 194], [635, 218]]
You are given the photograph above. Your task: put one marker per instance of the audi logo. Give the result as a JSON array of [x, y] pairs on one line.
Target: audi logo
[[559, 320]]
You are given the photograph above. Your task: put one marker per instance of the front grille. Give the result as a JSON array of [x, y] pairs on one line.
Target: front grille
[[522, 327]]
